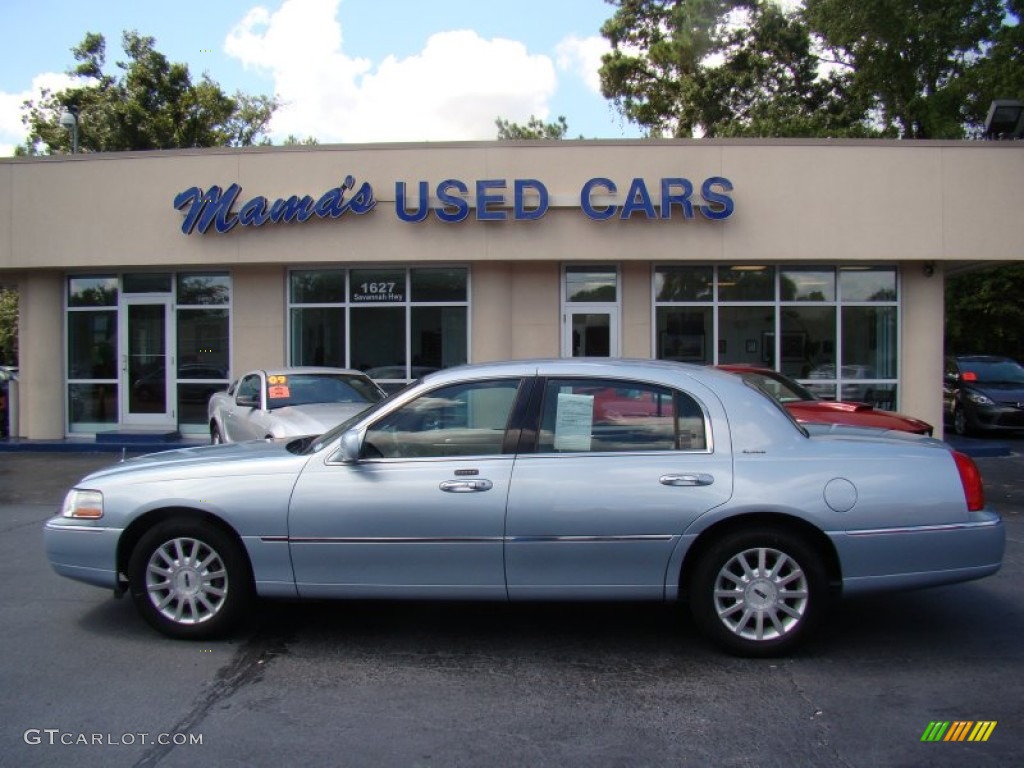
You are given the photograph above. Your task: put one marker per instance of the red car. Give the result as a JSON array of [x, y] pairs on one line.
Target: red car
[[810, 409]]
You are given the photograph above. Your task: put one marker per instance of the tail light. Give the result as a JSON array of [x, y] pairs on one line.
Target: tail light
[[970, 478]]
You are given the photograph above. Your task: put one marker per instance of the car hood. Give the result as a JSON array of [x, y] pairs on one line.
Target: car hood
[[854, 414], [271, 456], [315, 418]]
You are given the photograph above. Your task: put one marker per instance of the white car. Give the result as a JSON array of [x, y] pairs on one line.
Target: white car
[[289, 402]]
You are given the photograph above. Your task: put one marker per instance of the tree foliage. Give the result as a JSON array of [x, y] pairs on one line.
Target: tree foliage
[[984, 314], [835, 68], [151, 103], [535, 128], [8, 326]]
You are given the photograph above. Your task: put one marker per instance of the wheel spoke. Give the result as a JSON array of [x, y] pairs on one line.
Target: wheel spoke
[[186, 580]]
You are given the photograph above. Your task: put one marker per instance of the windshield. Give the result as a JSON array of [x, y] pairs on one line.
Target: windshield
[[782, 389], [1000, 372], [285, 390]]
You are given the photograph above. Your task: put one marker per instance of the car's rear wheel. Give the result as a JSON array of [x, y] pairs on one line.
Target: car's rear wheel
[[758, 592], [189, 579]]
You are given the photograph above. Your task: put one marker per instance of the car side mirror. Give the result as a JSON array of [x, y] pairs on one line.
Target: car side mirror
[[351, 445], [247, 401]]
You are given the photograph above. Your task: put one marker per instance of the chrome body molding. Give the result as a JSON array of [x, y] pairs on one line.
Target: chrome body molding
[[927, 528]]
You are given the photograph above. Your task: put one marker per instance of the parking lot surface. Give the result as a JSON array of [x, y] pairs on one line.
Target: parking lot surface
[[382, 684]]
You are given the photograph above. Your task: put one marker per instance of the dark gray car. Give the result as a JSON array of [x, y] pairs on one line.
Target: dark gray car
[[983, 393]]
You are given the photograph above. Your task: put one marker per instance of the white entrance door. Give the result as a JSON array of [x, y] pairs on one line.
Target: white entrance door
[[147, 362]]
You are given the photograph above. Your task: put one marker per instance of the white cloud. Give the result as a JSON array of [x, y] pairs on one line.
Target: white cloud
[[451, 90], [12, 130], [582, 56]]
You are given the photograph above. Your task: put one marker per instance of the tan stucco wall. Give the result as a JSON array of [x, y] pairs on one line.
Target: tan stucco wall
[[921, 342], [258, 318], [41, 355]]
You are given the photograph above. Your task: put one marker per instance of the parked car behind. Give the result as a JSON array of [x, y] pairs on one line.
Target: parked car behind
[[288, 402], [808, 408], [540, 480], [983, 393]]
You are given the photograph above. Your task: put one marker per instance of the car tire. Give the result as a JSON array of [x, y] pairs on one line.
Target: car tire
[[758, 592], [190, 580], [961, 424], [215, 436]]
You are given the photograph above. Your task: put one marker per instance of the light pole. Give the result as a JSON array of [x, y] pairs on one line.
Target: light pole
[[69, 120]]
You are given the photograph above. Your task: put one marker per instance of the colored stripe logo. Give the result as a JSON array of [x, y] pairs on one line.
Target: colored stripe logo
[[959, 730]]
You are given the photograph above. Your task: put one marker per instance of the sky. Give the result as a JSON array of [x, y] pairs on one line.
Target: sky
[[346, 71]]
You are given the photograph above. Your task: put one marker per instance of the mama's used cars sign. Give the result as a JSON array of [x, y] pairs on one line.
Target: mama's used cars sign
[[452, 200]]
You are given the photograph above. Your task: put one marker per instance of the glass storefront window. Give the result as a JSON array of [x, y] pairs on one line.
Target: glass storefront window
[[808, 284], [204, 289], [378, 341], [867, 283], [869, 340], [318, 336], [438, 338], [377, 286], [753, 283], [317, 286], [91, 405], [684, 283], [591, 284], [92, 345], [808, 341], [746, 335], [203, 344], [438, 284], [684, 334], [146, 282], [92, 291]]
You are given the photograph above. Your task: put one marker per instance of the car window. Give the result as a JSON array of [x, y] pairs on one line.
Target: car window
[[250, 386], [466, 419], [591, 415], [308, 388]]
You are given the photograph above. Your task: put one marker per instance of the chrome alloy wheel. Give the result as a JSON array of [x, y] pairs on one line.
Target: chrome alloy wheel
[[186, 580], [761, 594]]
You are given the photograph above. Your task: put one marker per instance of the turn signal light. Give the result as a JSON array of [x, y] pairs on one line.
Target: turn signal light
[[970, 478], [83, 505]]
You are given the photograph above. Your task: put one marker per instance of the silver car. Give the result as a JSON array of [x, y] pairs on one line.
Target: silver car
[[288, 402], [540, 480]]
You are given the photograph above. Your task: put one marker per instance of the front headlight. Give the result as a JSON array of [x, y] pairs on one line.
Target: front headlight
[[83, 505], [979, 399]]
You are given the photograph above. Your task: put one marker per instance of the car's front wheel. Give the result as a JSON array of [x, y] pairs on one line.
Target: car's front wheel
[[961, 425], [758, 592], [189, 579]]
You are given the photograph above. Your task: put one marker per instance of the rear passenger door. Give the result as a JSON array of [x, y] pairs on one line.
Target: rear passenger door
[[600, 494]]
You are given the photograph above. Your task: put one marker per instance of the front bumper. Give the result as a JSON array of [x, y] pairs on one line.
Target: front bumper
[[82, 551]]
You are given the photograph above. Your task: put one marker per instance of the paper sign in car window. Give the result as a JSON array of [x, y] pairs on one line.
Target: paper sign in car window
[[279, 392], [277, 379], [574, 422]]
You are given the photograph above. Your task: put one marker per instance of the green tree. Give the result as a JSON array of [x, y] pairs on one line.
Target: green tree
[[909, 69], [535, 128], [152, 103], [911, 61], [984, 314], [8, 326]]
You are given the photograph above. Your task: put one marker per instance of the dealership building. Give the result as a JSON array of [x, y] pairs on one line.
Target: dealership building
[[148, 280]]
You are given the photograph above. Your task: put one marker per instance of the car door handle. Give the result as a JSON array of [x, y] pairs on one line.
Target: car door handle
[[697, 478], [466, 486]]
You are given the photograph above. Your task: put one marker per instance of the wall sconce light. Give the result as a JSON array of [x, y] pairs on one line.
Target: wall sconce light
[[928, 268]]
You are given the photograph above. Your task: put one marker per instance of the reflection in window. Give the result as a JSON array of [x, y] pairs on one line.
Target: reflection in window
[[318, 336], [684, 334], [744, 283], [467, 419], [683, 283], [591, 284], [808, 284], [317, 286], [593, 415], [91, 405], [92, 291], [204, 289], [808, 341], [92, 345], [867, 283]]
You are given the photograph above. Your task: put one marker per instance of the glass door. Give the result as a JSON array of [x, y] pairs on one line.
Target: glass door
[[590, 311], [147, 381]]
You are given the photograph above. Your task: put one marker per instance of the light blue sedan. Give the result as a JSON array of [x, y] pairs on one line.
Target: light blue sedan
[[540, 480]]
